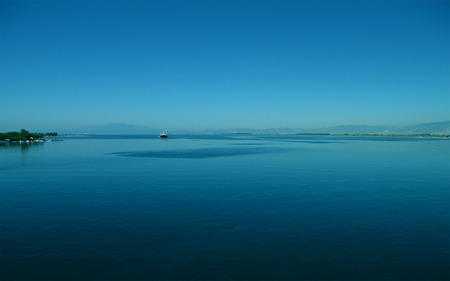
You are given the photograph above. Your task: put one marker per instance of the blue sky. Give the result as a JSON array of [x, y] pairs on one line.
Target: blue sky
[[197, 65]]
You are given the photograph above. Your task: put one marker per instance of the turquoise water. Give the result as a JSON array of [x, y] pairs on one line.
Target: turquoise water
[[226, 208]]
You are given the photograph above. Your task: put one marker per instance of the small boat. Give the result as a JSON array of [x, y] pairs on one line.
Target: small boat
[[163, 135]]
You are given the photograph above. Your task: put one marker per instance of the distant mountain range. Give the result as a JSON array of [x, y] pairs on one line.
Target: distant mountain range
[[436, 128], [118, 128]]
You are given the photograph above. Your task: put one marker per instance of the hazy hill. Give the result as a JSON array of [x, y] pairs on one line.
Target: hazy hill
[[119, 128], [436, 128]]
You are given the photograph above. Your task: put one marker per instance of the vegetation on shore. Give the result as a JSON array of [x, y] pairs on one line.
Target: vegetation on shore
[[24, 135]]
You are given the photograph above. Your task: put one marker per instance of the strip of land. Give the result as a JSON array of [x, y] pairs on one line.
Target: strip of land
[[24, 136]]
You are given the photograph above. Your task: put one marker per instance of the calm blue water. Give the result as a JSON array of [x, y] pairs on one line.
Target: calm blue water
[[226, 208]]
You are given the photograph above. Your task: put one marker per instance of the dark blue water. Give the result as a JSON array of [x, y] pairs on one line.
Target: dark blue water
[[226, 208]]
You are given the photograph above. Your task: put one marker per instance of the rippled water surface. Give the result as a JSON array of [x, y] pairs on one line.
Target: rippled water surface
[[226, 208]]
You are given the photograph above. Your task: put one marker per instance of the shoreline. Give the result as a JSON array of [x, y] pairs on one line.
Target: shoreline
[[268, 134]]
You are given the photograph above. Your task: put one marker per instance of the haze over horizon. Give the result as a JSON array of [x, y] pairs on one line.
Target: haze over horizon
[[199, 65]]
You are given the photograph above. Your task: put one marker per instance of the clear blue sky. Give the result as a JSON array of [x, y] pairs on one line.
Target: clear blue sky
[[223, 64]]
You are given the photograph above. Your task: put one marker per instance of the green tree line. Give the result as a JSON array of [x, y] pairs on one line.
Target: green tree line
[[24, 135]]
